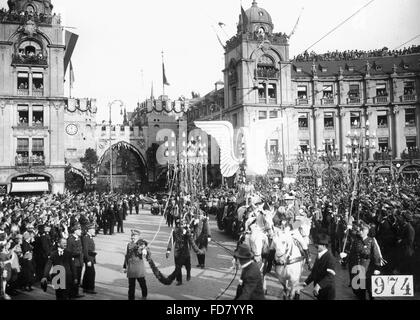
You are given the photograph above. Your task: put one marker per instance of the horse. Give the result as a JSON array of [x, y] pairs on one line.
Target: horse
[[289, 261]]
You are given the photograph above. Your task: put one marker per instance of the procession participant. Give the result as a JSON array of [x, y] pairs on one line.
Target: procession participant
[[119, 209], [251, 283], [75, 247], [179, 240], [134, 264], [406, 243], [5, 266], [136, 203], [172, 212], [110, 217], [43, 246], [323, 271], [28, 268], [89, 255], [366, 255], [201, 235], [63, 258], [130, 204], [124, 204]]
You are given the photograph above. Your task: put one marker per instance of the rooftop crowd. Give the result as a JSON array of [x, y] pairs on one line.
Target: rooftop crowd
[[354, 54]]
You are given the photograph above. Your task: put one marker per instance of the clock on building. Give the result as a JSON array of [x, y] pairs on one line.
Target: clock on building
[[71, 129]]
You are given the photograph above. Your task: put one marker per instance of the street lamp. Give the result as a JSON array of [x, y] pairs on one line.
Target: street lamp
[[358, 146], [111, 189]]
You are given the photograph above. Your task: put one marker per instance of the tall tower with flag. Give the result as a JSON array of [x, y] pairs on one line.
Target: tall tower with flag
[[257, 74]]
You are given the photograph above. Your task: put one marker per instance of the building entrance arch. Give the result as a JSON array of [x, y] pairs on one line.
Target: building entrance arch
[[129, 168]]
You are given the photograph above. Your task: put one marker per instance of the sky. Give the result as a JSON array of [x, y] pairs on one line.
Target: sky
[[118, 54]]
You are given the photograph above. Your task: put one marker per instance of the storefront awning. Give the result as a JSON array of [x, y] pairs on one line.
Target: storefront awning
[[30, 187]]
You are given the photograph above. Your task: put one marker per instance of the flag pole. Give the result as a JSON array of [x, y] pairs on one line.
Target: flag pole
[[70, 81], [163, 80]]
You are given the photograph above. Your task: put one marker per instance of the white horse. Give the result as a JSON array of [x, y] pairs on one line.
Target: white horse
[[288, 262]]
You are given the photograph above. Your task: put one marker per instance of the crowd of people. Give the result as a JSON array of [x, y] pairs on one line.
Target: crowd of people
[[32, 228], [381, 231], [24, 16], [354, 54], [41, 232], [376, 226]]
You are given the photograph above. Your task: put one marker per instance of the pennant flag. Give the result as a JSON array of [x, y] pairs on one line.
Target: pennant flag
[[71, 40], [245, 21], [71, 75], [165, 81]]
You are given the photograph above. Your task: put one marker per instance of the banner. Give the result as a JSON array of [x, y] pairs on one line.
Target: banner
[[71, 40]]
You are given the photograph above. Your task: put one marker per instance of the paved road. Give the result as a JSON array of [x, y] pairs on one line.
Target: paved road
[[207, 284]]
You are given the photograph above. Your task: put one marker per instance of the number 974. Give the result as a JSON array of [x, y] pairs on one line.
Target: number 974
[[392, 286]]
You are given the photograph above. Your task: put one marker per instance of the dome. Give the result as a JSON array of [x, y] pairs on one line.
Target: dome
[[258, 16], [33, 6]]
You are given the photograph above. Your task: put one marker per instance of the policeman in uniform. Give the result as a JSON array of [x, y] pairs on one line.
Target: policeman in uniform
[[365, 254], [134, 264]]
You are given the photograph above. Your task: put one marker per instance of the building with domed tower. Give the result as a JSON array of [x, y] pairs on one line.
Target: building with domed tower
[[32, 98], [325, 104]]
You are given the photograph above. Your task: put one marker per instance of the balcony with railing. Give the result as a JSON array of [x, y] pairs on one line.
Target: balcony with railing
[[267, 73], [33, 60], [409, 98], [33, 161], [382, 156], [354, 100], [302, 101], [380, 100], [327, 101], [23, 92], [39, 92], [412, 154]]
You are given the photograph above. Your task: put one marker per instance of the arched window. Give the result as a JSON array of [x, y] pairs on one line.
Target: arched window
[[30, 9], [30, 48], [266, 67]]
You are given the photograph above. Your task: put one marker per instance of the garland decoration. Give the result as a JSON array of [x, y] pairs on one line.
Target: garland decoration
[[166, 280]]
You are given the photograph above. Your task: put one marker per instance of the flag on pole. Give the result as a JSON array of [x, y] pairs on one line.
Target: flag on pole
[[151, 93], [245, 21], [71, 40], [71, 75], [165, 81]]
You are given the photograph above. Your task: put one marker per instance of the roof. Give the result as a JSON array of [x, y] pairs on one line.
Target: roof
[[378, 66], [257, 15]]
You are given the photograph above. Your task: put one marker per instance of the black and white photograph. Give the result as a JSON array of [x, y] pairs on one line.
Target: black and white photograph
[[209, 151]]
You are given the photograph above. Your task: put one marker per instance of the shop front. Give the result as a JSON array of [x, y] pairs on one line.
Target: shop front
[[30, 183]]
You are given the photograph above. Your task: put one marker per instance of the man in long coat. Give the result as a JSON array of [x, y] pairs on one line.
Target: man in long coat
[[75, 247], [134, 265], [89, 256]]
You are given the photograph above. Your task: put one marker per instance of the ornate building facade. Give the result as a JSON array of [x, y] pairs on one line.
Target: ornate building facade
[[320, 105], [31, 98]]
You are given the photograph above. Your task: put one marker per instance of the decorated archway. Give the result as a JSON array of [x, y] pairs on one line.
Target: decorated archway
[[410, 172], [75, 179], [129, 168], [385, 172]]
